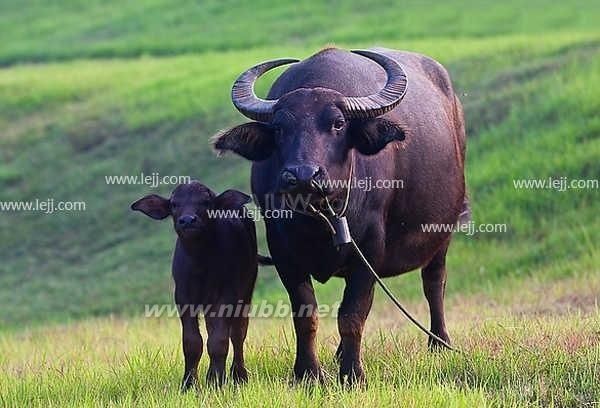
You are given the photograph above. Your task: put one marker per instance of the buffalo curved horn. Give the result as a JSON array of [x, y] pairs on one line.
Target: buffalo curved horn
[[366, 107], [244, 98]]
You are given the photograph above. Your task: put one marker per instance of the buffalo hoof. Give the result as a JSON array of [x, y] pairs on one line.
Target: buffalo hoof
[[309, 374], [352, 375], [239, 374], [435, 345]]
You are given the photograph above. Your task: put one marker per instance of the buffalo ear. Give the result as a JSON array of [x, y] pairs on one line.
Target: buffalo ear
[[371, 135], [254, 141], [231, 199], [154, 206]]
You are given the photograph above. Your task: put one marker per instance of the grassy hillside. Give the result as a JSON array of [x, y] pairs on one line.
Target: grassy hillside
[[94, 89], [42, 31], [531, 108]]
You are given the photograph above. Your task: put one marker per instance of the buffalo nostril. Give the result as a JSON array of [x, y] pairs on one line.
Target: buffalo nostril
[[289, 178], [302, 178]]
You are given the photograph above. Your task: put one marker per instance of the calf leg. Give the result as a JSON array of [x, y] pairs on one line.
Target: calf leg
[[355, 307], [218, 329], [192, 349], [434, 285], [239, 329]]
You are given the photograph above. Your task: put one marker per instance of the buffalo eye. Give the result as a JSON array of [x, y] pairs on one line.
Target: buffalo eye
[[338, 124]]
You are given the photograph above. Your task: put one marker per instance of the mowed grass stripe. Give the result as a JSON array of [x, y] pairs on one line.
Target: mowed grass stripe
[[40, 32]]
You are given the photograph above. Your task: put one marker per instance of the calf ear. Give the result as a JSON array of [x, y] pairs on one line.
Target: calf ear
[[371, 135], [231, 199], [154, 206], [254, 141]]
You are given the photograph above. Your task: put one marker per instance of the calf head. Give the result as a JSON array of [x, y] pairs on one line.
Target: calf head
[[189, 207]]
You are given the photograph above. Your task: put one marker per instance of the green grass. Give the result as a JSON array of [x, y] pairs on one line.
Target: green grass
[[541, 351], [96, 89], [38, 31], [89, 119]]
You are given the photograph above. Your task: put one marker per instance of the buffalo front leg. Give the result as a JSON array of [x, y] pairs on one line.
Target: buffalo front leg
[[434, 286], [192, 349], [355, 307], [218, 329], [306, 322]]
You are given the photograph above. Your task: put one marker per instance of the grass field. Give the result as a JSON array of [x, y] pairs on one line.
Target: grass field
[[89, 90], [542, 351]]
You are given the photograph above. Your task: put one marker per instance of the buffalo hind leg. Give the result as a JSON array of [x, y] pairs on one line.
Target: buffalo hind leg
[[434, 286], [239, 329], [192, 349], [355, 307]]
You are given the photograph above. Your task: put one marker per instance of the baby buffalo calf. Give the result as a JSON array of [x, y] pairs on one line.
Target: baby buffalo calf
[[214, 268]]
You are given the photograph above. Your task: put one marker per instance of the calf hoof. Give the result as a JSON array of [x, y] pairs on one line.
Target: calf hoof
[[239, 374], [215, 379], [435, 345], [188, 382]]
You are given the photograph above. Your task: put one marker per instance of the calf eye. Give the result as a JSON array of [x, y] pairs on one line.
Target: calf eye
[[338, 124]]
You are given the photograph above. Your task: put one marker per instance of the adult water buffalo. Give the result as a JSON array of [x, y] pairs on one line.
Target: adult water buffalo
[[389, 115]]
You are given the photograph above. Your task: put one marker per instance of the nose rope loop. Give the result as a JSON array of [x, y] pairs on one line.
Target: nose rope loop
[[340, 220], [349, 185], [314, 213]]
